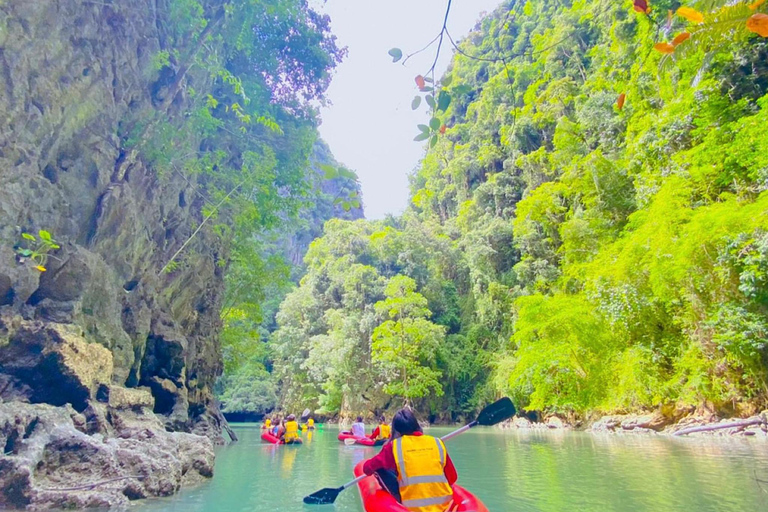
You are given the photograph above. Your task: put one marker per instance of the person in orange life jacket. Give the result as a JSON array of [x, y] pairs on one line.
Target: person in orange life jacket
[[358, 428], [383, 431], [415, 468]]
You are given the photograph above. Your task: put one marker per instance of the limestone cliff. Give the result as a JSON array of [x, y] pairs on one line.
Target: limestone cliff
[[103, 317], [65, 89]]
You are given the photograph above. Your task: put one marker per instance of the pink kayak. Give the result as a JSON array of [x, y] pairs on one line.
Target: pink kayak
[[269, 438], [365, 441], [376, 499]]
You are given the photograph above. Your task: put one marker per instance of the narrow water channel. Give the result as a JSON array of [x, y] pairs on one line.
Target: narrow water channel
[[510, 471]]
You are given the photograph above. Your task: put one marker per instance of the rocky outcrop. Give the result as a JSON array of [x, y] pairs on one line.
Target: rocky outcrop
[[107, 362], [68, 92], [57, 458]]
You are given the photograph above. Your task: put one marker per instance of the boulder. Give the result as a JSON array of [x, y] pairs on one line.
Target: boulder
[[130, 398], [49, 463], [53, 363]]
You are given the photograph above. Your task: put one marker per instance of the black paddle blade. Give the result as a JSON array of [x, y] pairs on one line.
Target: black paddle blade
[[323, 496], [498, 411]]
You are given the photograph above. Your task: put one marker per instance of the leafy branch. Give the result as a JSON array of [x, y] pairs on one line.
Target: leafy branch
[[37, 249]]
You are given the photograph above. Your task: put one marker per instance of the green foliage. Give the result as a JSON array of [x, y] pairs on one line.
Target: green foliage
[[36, 248], [406, 342]]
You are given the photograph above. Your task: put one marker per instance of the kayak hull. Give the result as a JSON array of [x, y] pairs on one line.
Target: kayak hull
[[269, 438], [364, 441], [376, 499]]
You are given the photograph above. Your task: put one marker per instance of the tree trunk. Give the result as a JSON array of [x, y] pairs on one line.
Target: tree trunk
[[757, 420]]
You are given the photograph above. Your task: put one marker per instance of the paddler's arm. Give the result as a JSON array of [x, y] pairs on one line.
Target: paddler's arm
[[374, 434], [385, 459]]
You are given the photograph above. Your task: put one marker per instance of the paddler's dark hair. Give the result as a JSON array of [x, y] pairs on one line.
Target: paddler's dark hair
[[404, 421]]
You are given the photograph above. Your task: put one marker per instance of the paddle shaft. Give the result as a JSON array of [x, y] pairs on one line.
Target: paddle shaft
[[444, 438]]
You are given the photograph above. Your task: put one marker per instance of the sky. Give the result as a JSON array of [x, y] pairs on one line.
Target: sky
[[369, 125]]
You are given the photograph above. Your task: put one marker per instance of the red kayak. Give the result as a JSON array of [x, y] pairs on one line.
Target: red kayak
[[376, 499], [269, 438], [365, 441]]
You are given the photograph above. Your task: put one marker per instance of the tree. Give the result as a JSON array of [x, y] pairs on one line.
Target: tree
[[406, 343]]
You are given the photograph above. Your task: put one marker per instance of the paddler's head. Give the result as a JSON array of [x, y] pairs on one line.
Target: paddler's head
[[359, 419], [382, 419], [404, 423], [291, 417]]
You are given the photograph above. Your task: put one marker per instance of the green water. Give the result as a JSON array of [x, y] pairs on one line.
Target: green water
[[509, 471]]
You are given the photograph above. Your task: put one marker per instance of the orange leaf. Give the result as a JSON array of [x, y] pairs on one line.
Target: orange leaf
[[420, 83], [620, 101], [442, 129], [756, 4], [642, 6], [681, 37], [691, 15], [664, 48], [758, 23]]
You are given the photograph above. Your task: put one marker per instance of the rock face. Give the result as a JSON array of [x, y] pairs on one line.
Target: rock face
[[66, 92], [103, 354]]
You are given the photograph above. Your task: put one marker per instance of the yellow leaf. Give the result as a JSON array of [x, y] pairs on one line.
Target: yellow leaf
[[758, 23], [41, 268], [681, 37], [691, 15], [756, 4], [664, 48]]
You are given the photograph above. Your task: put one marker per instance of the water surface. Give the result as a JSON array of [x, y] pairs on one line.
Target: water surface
[[510, 471]]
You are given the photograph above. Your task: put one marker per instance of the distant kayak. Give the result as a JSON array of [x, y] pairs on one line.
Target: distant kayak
[[364, 441], [376, 499], [269, 438]]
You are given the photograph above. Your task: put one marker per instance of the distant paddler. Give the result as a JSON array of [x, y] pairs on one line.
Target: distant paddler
[[290, 429], [267, 424], [383, 431]]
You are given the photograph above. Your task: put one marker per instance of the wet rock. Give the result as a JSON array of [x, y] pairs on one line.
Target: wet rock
[[48, 463], [555, 422]]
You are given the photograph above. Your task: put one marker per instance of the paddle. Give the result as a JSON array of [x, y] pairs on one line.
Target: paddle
[[491, 415]]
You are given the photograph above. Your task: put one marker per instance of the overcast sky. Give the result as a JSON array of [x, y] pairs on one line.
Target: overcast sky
[[370, 125]]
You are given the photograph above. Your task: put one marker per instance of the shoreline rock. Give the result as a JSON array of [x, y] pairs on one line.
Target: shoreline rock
[[56, 457], [655, 424]]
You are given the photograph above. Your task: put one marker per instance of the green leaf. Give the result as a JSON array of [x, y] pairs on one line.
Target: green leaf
[[396, 54], [424, 128], [25, 252], [430, 101], [433, 141], [44, 234], [422, 136], [355, 203], [434, 123], [29, 237], [443, 101], [330, 171], [416, 102], [462, 89], [346, 173], [428, 80], [445, 82]]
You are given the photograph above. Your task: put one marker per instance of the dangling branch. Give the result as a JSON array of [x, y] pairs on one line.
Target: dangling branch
[[205, 220]]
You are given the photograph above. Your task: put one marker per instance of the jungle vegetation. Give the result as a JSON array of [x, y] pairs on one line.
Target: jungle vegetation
[[588, 229]]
